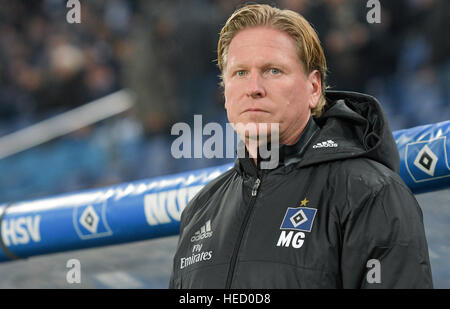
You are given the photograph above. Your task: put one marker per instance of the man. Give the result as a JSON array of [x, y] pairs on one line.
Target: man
[[333, 213]]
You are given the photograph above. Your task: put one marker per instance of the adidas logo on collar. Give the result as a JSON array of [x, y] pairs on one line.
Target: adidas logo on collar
[[327, 144], [204, 232]]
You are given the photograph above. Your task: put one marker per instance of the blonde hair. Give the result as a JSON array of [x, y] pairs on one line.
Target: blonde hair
[[309, 50]]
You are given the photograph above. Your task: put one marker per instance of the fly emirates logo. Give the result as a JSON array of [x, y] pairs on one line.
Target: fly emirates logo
[[198, 255]]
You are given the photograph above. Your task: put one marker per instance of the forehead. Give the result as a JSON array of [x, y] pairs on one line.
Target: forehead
[[261, 43]]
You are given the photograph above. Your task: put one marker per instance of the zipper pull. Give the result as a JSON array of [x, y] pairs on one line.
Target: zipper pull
[[255, 187]]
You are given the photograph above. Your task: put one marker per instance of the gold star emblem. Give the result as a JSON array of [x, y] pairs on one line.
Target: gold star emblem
[[304, 202]]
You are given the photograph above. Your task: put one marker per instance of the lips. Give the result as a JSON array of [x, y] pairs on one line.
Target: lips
[[254, 110]]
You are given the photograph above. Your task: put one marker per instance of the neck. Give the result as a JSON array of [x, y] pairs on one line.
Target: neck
[[252, 145], [293, 137], [252, 148]]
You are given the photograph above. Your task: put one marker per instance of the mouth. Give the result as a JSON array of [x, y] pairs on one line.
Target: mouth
[[254, 110]]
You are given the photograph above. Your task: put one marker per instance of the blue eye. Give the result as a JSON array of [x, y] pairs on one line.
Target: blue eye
[[240, 73], [274, 71]]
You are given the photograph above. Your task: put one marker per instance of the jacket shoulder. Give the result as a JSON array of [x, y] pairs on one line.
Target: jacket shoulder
[[367, 184], [370, 174], [205, 194], [371, 187]]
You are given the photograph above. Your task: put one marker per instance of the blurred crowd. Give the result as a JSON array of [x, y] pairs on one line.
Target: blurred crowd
[[164, 52], [48, 65]]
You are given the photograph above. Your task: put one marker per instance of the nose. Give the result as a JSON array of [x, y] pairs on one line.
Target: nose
[[255, 88]]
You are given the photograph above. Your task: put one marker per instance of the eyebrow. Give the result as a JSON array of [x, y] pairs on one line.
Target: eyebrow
[[267, 65], [271, 65]]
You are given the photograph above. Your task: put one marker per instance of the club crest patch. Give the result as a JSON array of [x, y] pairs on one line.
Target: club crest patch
[[299, 218]]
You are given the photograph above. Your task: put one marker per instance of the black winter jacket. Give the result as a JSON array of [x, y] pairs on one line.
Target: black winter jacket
[[333, 214]]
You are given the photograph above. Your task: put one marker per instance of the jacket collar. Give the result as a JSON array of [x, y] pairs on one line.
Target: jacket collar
[[288, 154]]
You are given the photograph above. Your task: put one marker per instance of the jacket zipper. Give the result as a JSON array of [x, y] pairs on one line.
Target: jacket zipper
[[241, 233]]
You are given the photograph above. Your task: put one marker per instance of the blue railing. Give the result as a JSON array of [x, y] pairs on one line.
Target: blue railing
[[151, 208]]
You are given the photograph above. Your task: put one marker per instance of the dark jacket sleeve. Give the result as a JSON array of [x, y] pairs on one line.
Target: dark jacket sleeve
[[383, 241], [171, 282], [175, 280]]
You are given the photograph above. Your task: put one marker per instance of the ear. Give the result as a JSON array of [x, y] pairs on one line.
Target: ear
[[315, 83]]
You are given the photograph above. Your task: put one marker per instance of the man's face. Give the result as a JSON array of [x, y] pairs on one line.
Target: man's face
[[265, 82]]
